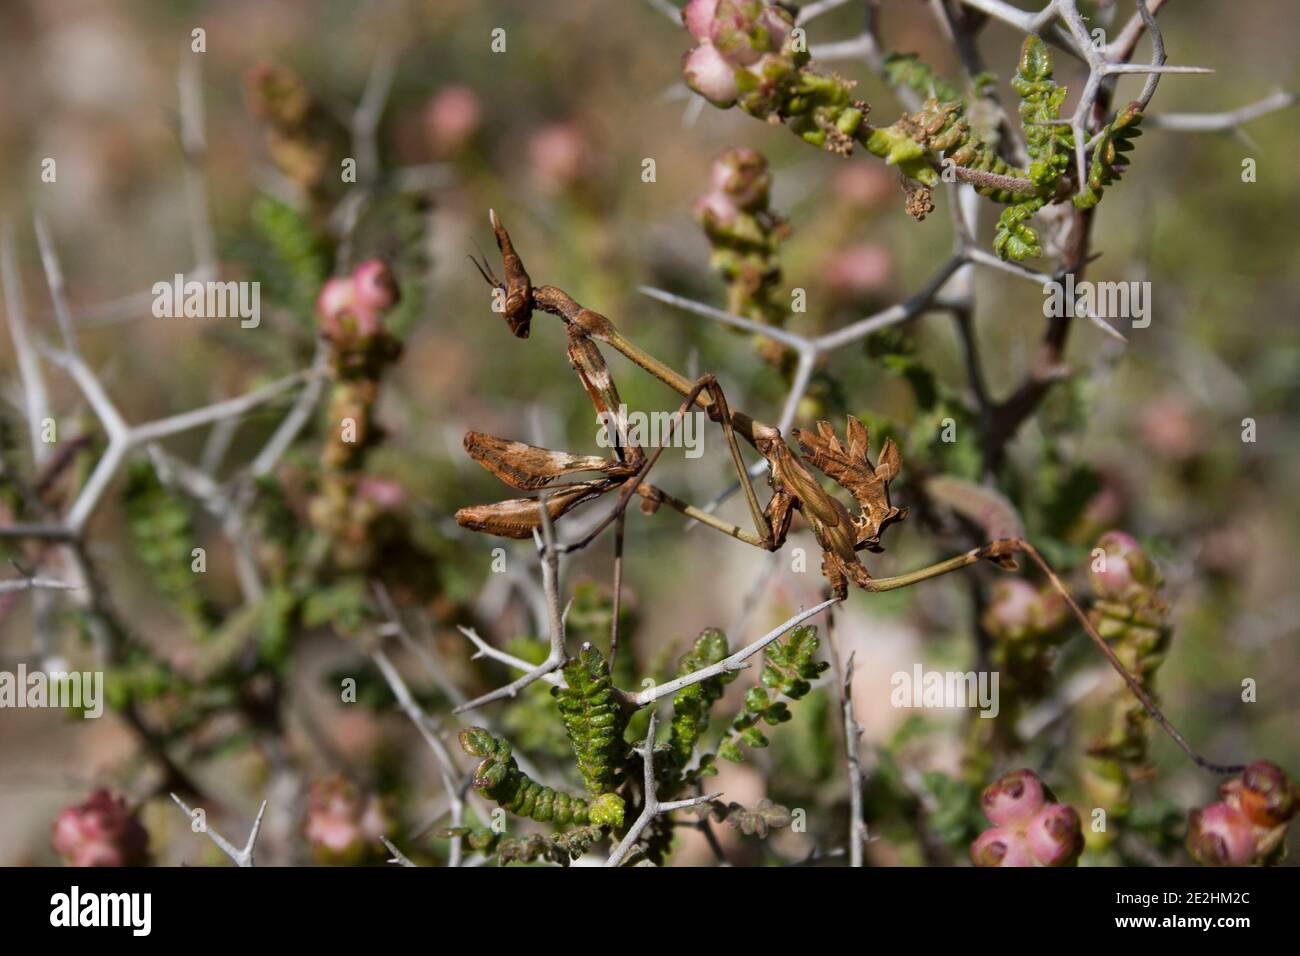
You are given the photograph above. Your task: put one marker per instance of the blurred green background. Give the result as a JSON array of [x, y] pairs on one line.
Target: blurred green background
[[565, 117]]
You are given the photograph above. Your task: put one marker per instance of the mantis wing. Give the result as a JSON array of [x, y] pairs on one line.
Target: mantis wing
[[519, 517], [528, 467]]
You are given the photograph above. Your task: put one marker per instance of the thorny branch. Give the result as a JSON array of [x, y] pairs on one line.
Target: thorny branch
[[447, 768], [651, 806], [729, 664], [557, 656], [241, 856], [400, 858], [32, 583], [852, 735]]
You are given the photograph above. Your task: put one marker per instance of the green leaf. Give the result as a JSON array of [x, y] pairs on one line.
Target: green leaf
[[1107, 167], [594, 720], [693, 704]]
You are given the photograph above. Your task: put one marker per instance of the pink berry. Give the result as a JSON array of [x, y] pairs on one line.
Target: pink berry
[[708, 74], [864, 185], [451, 119], [334, 302], [102, 831], [1013, 798], [716, 210], [1019, 610], [742, 175], [1171, 428], [385, 494], [1001, 846], [343, 825], [1055, 835], [858, 270], [1124, 569], [1219, 835], [375, 288], [558, 156], [1010, 614]]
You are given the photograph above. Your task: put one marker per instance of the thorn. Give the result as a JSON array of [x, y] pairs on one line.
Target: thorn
[[1105, 327]]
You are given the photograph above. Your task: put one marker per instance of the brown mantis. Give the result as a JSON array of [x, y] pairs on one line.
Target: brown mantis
[[794, 488], [840, 534]]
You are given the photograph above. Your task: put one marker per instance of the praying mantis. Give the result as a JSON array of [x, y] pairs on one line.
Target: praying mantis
[[841, 535]]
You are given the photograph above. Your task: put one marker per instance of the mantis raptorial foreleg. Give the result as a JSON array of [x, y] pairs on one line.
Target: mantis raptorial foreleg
[[706, 385]]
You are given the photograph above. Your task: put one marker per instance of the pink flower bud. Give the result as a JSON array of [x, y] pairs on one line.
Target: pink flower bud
[[1010, 615], [558, 156], [863, 185], [1019, 610], [858, 270], [100, 832], [1219, 835], [375, 289], [384, 493], [451, 119], [779, 25], [742, 174], [1055, 835], [708, 74], [1000, 846], [342, 825], [698, 17], [334, 302], [1106, 507], [1171, 427], [1125, 568], [715, 210], [1013, 798]]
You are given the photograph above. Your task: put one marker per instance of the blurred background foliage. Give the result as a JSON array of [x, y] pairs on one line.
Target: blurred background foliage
[[553, 134]]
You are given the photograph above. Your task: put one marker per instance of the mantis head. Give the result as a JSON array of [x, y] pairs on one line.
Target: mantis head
[[515, 296]]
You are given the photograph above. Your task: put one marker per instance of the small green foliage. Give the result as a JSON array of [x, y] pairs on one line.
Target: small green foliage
[[561, 848], [955, 814], [591, 614], [896, 147], [928, 441], [594, 719], [906, 69], [758, 821], [789, 667], [482, 839], [1050, 142], [606, 811], [790, 664], [296, 263], [343, 606], [532, 722], [691, 705], [1108, 158], [163, 530], [499, 778], [138, 679], [1014, 237]]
